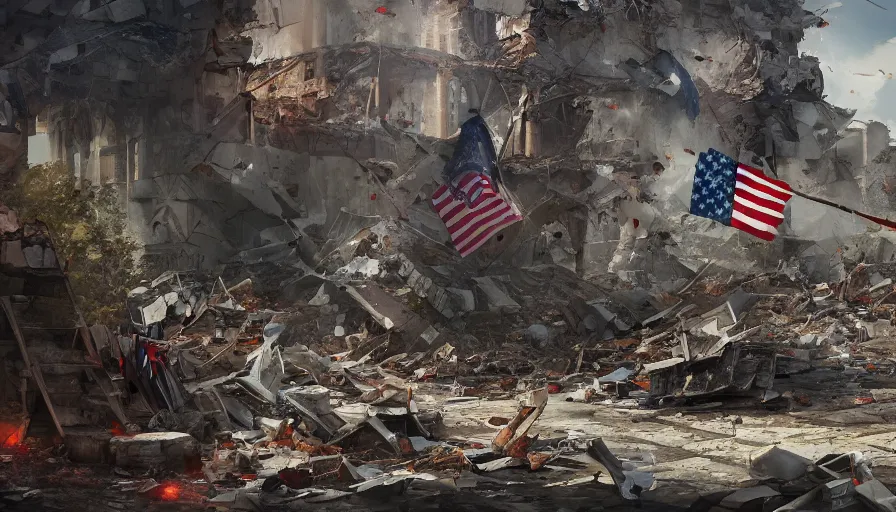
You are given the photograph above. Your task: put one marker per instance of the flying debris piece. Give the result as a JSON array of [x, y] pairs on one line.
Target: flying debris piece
[[690, 151], [822, 24], [613, 106], [701, 59], [384, 11]]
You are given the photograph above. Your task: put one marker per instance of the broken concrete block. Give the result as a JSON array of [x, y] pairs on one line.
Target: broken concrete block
[[497, 299], [441, 301], [884, 395], [313, 403], [321, 298], [420, 284], [876, 495], [466, 299], [88, 446], [11, 254], [779, 463], [175, 451], [406, 267]]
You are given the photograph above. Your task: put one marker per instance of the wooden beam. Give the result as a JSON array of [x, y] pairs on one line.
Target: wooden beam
[[33, 368], [110, 396]]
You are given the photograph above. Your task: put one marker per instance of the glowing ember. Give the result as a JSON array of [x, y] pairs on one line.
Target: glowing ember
[[117, 430], [12, 440], [169, 492]]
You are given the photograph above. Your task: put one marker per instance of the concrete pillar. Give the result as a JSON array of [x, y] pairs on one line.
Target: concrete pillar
[[532, 131], [517, 146], [443, 76], [319, 24], [531, 137]]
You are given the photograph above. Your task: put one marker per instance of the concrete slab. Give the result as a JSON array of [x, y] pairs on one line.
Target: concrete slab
[[170, 450]]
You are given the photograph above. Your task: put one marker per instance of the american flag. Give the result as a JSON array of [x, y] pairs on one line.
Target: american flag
[[738, 195], [473, 212]]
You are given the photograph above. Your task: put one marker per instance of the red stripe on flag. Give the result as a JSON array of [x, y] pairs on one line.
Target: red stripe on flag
[[470, 226], [760, 174], [483, 224], [477, 217], [756, 214], [758, 233], [755, 185], [758, 201], [483, 237]]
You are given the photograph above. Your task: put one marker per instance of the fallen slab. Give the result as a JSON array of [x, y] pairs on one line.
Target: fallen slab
[[174, 451]]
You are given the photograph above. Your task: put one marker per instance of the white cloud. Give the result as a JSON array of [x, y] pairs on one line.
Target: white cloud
[[846, 71]]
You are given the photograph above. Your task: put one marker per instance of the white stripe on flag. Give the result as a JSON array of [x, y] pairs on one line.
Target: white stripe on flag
[[762, 180], [758, 193], [746, 219], [753, 206], [488, 206]]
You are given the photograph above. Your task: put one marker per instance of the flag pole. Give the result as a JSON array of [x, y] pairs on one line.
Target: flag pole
[[878, 220]]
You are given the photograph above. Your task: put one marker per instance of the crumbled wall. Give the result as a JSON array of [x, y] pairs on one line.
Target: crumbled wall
[[256, 123]]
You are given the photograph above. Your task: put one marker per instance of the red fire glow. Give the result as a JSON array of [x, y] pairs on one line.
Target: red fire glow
[[12, 440], [169, 492], [117, 430]]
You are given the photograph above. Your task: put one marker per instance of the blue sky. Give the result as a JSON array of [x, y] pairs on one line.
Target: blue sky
[[861, 38]]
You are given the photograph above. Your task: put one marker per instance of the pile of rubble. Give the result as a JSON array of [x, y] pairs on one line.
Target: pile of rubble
[[266, 386]]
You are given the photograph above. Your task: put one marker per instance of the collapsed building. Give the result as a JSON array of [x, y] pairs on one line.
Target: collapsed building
[[296, 149], [234, 129]]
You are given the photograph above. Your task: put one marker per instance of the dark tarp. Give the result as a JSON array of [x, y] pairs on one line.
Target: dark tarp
[[474, 152], [658, 70]]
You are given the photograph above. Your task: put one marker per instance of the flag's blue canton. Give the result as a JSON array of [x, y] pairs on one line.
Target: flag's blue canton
[[713, 193]]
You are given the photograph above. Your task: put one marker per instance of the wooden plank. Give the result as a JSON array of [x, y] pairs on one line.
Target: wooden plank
[[110, 396], [35, 369]]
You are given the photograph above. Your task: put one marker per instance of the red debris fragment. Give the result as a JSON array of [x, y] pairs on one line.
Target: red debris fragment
[[864, 400], [554, 388], [613, 106], [690, 151], [373, 196], [537, 460], [296, 478], [636, 222]]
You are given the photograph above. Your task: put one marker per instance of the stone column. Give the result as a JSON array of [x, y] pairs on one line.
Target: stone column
[[443, 76], [532, 131]]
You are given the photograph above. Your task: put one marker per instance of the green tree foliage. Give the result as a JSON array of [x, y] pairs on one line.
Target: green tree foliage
[[89, 229]]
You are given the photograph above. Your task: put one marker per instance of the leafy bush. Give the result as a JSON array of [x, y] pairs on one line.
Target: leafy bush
[[89, 229]]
